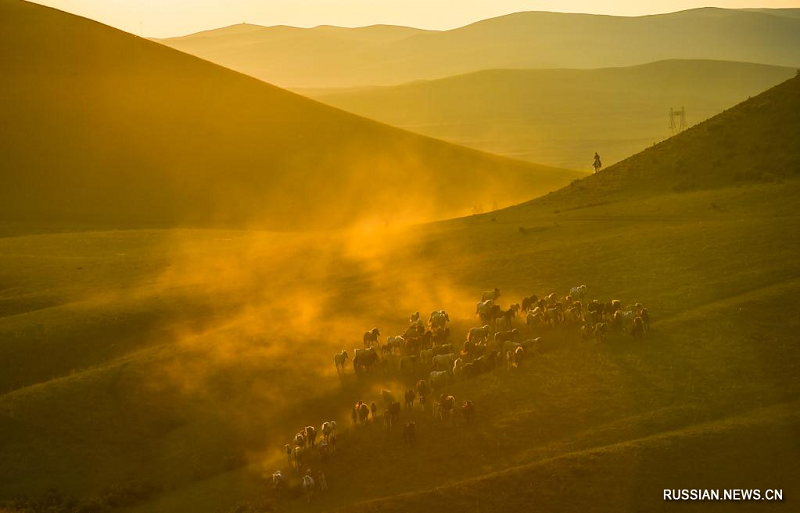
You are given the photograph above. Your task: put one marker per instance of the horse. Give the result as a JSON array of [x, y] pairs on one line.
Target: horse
[[277, 481], [371, 337], [409, 397], [308, 486], [339, 360]]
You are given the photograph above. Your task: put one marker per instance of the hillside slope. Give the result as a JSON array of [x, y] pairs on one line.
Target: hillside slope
[[189, 378], [631, 475], [102, 128], [561, 117], [186, 359], [755, 141], [312, 58]]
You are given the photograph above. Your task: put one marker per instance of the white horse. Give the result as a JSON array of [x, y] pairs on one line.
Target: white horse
[[297, 458], [277, 482], [490, 294], [308, 487], [328, 429]]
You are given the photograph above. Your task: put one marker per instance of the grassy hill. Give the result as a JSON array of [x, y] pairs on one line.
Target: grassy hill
[[561, 117], [630, 475], [320, 57], [185, 359], [752, 142], [201, 406], [102, 128]]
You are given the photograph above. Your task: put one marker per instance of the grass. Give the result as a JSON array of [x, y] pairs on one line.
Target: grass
[[204, 413], [631, 475]]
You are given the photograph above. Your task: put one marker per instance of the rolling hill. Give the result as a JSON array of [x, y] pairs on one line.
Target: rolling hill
[[183, 360], [321, 57], [751, 142], [105, 128], [561, 117]]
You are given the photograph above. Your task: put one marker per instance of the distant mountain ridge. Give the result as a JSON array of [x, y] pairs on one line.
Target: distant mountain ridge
[[321, 57]]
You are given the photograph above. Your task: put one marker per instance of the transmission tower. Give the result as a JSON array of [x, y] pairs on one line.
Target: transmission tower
[[677, 120]]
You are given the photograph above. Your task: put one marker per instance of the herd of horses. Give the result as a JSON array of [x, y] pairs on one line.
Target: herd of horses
[[427, 344], [425, 348], [304, 448]]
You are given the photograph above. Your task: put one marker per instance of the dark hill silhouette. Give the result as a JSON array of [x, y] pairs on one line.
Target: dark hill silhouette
[[103, 128]]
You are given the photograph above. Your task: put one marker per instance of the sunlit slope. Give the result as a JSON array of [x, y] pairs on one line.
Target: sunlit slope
[[561, 117], [201, 406], [286, 56], [103, 128], [187, 359]]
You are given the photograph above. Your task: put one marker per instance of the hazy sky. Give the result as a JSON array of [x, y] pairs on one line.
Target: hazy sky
[[162, 18]]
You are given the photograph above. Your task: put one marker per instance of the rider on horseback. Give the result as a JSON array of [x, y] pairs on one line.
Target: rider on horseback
[[597, 164]]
